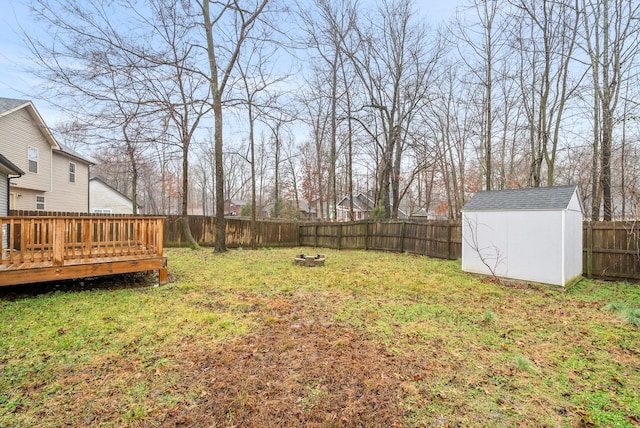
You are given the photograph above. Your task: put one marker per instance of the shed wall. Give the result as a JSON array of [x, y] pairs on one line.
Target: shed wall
[[534, 251], [573, 246], [484, 242], [524, 245]]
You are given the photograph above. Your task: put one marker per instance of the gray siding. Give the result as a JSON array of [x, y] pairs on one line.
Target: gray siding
[[4, 193], [4, 203]]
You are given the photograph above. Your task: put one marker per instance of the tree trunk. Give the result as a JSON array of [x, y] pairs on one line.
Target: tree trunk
[[220, 240], [186, 230]]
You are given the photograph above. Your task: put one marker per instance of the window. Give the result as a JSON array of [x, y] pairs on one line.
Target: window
[[32, 153], [39, 202], [102, 211], [72, 172]]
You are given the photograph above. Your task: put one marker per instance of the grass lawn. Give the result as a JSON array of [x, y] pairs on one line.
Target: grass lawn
[[247, 338]]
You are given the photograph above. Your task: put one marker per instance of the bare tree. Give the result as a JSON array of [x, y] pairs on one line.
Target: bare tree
[[546, 40], [226, 28], [136, 75], [484, 39], [327, 27], [316, 115], [394, 65], [611, 29]]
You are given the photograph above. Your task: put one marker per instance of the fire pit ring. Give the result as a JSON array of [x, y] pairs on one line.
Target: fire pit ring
[[309, 261]]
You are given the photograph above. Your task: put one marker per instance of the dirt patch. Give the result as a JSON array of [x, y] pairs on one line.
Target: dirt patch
[[301, 369]]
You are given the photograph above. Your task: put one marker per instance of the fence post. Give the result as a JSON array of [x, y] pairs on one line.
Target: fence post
[[449, 227], [402, 233], [366, 235], [315, 235], [339, 236], [589, 249]]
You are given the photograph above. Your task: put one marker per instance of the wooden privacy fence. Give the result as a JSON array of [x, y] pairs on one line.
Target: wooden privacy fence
[[269, 233], [441, 239], [611, 249]]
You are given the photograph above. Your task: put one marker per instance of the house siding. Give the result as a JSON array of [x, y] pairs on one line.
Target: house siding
[[4, 194], [23, 128], [19, 131], [103, 197], [66, 196], [4, 202], [26, 199]]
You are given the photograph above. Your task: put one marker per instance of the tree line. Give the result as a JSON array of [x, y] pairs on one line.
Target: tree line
[[185, 104]]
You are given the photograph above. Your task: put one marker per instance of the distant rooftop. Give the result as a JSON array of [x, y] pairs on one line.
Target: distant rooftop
[[533, 198]]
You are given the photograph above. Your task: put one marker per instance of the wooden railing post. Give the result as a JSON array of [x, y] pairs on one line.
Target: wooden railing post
[[160, 236], [58, 241]]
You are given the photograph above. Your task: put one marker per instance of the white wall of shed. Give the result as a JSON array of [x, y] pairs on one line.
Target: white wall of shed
[[484, 242], [573, 245], [523, 245]]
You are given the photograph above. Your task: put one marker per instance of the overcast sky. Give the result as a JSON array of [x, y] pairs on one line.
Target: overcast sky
[[15, 82]]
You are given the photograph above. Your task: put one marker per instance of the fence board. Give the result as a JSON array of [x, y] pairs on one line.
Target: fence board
[[612, 249]]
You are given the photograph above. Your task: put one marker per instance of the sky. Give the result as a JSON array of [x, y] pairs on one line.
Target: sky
[[16, 82]]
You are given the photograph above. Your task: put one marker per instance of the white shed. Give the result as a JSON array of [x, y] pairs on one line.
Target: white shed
[[532, 234]]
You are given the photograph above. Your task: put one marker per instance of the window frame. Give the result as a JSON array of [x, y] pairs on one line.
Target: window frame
[[72, 172], [33, 162], [41, 203]]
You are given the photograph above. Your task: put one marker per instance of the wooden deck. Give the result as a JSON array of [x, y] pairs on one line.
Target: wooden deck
[[39, 249]]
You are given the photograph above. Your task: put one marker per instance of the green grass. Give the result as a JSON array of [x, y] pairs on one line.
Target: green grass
[[491, 354]]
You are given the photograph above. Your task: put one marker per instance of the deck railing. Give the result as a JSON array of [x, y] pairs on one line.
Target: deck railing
[[59, 241]]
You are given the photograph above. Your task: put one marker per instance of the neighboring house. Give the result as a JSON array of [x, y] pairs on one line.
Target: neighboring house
[[362, 207], [233, 207], [307, 210], [104, 199], [55, 177]]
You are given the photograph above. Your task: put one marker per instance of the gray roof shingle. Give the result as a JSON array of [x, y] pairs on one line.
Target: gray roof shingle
[[7, 104], [534, 198]]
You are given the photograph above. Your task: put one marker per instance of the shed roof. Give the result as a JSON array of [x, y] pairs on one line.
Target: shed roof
[[534, 198]]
